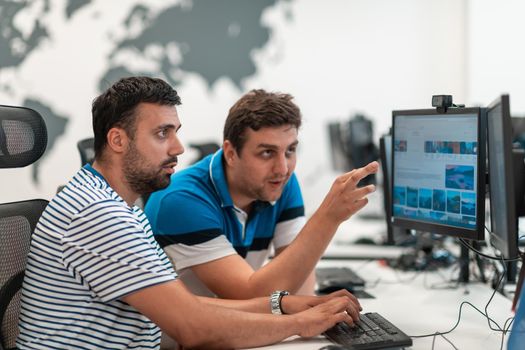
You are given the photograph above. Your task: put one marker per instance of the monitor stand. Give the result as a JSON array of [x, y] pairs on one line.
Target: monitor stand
[[464, 261]]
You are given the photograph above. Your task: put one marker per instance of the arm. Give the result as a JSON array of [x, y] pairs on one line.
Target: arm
[[308, 287], [195, 324], [290, 304], [289, 269]]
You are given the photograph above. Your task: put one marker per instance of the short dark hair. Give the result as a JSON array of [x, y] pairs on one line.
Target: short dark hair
[[116, 106], [258, 109]]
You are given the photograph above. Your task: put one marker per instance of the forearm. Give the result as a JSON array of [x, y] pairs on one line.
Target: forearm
[[294, 265], [308, 287], [196, 324], [244, 329], [258, 305]]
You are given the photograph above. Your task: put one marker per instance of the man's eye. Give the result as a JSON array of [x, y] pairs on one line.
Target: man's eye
[[162, 133], [291, 151]]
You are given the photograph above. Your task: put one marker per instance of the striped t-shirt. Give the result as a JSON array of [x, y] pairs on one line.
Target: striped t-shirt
[[89, 250]]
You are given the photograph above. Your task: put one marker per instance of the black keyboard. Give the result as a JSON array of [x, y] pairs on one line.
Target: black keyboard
[[372, 331], [338, 276]]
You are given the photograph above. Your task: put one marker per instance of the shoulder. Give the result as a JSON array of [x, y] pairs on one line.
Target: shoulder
[[83, 191]]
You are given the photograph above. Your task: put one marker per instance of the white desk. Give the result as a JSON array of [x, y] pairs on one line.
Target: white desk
[[342, 245], [408, 300]]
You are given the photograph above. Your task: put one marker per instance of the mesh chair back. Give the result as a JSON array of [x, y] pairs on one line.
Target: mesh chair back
[[23, 139], [86, 148], [17, 223], [23, 136]]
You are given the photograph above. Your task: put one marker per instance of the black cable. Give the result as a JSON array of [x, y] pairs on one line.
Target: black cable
[[458, 321], [449, 341], [506, 329], [489, 319], [499, 258]]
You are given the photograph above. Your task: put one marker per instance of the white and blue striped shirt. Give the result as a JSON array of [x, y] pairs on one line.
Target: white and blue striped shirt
[[88, 250]]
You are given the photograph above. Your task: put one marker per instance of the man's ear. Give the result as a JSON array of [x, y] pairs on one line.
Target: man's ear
[[118, 140], [229, 152]]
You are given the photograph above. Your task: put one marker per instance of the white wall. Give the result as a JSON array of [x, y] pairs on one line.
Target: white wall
[[496, 52], [338, 57]]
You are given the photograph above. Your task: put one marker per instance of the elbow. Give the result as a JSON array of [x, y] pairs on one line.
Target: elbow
[[190, 339], [191, 342], [194, 338]]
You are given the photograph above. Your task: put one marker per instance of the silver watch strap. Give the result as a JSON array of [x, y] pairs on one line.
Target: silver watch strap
[[275, 301]]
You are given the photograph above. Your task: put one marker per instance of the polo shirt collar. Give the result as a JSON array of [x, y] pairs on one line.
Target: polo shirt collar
[[218, 177]]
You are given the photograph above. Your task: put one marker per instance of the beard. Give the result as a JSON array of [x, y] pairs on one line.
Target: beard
[[142, 176], [263, 194]]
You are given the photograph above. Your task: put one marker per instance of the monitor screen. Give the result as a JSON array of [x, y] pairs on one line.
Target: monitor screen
[[503, 221], [439, 171]]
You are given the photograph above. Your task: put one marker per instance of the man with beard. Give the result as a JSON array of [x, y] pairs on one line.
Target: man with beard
[[219, 218], [97, 279]]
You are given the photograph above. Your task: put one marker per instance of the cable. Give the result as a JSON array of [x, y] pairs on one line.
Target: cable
[[442, 336], [489, 319], [499, 258]]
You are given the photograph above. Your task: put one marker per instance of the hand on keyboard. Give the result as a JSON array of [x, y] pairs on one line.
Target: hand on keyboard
[[292, 304], [319, 318]]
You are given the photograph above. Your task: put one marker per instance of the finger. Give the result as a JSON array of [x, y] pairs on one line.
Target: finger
[[346, 293], [358, 205], [353, 311], [364, 191], [346, 176], [335, 305], [342, 317], [359, 174]]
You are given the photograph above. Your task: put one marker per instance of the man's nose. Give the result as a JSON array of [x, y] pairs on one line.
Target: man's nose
[[281, 165], [176, 147]]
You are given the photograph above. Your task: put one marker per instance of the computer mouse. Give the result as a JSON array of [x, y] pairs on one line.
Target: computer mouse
[[333, 347]]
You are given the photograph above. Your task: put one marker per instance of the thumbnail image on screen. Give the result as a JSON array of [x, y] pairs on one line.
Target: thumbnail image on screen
[[437, 170]]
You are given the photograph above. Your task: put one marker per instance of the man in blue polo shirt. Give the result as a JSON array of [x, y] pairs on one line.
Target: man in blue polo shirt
[[218, 220]]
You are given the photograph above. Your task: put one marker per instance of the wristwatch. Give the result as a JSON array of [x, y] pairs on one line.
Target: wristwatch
[[275, 301]]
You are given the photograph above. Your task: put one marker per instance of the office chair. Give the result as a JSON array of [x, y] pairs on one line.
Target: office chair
[[204, 149], [86, 148], [23, 140]]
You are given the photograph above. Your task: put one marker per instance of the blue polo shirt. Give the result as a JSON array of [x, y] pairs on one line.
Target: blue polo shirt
[[195, 221]]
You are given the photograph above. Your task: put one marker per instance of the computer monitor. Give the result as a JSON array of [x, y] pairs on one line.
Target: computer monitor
[[504, 167], [518, 130], [438, 171], [352, 145], [395, 235]]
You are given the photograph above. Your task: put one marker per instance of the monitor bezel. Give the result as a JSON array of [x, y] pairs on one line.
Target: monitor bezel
[[507, 246], [387, 193], [478, 233], [394, 235]]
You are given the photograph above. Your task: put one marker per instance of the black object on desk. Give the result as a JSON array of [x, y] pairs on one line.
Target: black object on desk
[[331, 279], [371, 332], [333, 347]]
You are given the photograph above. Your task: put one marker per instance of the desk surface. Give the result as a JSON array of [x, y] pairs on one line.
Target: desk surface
[[424, 303]]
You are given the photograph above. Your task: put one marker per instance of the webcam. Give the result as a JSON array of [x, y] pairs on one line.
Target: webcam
[[442, 101]]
